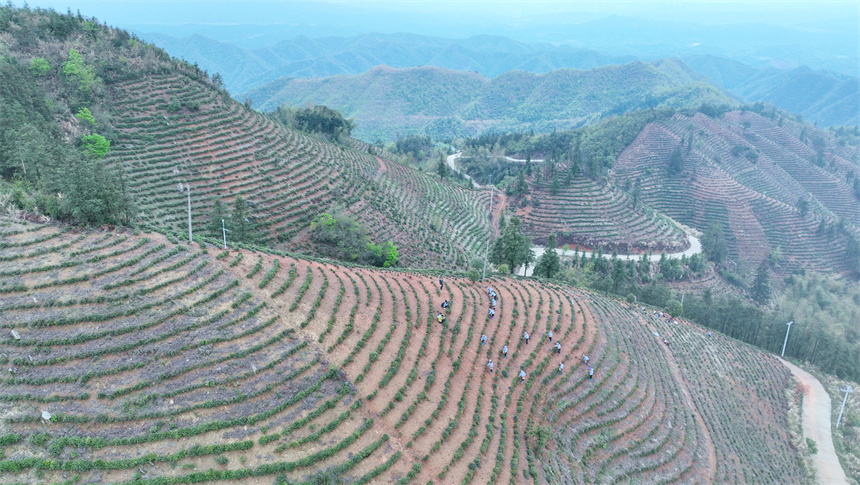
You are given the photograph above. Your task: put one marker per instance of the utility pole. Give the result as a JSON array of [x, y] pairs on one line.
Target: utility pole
[[786, 338], [189, 213], [847, 391], [487, 251], [224, 232]]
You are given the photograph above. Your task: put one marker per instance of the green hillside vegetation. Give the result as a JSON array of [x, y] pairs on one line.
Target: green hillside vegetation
[[102, 128], [56, 118], [442, 103]]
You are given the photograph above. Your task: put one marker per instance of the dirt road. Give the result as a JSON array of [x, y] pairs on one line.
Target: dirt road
[[816, 426]]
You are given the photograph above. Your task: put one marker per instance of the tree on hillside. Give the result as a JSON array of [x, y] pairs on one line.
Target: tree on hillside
[[803, 206], [529, 165], [96, 145], [714, 243], [442, 168], [92, 193], [317, 119], [382, 255], [519, 187], [549, 263], [215, 217], [760, 290], [338, 235], [78, 73], [619, 275], [244, 228], [676, 162], [852, 252], [553, 188], [513, 247]]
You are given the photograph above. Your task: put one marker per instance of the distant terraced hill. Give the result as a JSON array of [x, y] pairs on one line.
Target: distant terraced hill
[[750, 172], [590, 215], [443, 103], [137, 358], [223, 150]]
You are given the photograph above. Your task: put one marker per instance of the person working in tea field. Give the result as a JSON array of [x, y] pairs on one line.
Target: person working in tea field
[[590, 372], [490, 365], [492, 312], [445, 304], [522, 376], [558, 347], [505, 351], [441, 285], [550, 335], [483, 340], [526, 337], [585, 359], [561, 368]]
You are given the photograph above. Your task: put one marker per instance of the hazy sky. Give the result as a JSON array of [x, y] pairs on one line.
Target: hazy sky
[[820, 34], [269, 12]]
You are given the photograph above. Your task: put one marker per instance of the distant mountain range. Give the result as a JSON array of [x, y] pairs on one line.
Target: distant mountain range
[[826, 97], [304, 57], [387, 102]]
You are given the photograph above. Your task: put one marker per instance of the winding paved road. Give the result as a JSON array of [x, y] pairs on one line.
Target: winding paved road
[[816, 426], [456, 170], [695, 248]]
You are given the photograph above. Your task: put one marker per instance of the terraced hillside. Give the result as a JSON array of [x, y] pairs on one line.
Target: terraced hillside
[[749, 173], [223, 150], [591, 215], [160, 362]]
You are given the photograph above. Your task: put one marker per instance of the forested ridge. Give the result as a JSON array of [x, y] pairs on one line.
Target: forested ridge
[[443, 103], [57, 126]]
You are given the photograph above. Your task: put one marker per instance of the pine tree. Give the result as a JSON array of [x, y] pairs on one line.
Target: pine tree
[[761, 285], [549, 263], [442, 168], [714, 243], [676, 162], [215, 217], [243, 226], [513, 247]]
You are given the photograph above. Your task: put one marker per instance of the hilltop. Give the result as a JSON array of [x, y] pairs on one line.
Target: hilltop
[[113, 130], [774, 184], [444, 103], [135, 357]]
